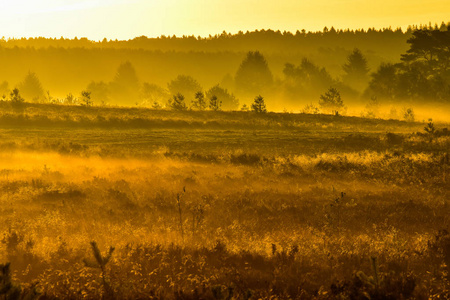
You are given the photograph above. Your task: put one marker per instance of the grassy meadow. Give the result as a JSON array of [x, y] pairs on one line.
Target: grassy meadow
[[221, 205]]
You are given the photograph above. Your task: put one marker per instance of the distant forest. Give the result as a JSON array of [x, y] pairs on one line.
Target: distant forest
[[288, 69]]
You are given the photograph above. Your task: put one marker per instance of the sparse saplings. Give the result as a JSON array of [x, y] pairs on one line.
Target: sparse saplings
[[258, 105], [199, 103], [228, 100], [15, 97], [4, 89], [245, 107], [331, 101], [156, 105], [408, 114], [430, 130], [177, 102], [70, 99], [310, 109], [185, 85], [16, 100], [86, 98], [214, 103], [372, 108]]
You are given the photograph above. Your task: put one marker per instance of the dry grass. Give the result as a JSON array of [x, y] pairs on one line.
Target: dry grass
[[268, 218]]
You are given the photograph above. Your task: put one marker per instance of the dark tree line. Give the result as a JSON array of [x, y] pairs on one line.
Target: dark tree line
[[422, 74]]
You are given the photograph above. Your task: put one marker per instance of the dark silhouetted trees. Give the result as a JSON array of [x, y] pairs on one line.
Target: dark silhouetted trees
[[383, 83], [431, 47], [423, 74]]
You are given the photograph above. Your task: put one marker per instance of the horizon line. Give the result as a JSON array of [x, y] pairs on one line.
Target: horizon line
[[403, 28]]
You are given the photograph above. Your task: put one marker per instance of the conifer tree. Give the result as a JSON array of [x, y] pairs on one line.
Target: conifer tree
[[177, 102], [199, 102], [259, 105], [214, 103]]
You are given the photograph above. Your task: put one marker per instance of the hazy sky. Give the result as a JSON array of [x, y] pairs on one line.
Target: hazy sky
[[125, 19]]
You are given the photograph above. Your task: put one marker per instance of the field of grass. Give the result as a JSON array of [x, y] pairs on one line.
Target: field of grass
[[221, 205]]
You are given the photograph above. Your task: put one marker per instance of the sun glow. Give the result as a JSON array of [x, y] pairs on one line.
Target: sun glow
[[124, 19]]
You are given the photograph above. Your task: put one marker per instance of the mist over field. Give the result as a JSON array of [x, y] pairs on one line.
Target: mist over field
[[291, 70], [256, 165]]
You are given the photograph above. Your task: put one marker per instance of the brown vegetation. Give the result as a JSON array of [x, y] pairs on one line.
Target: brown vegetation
[[221, 205]]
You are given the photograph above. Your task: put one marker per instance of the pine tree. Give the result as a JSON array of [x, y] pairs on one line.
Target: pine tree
[[199, 102], [214, 103], [259, 105], [253, 74], [86, 98], [356, 70], [177, 102]]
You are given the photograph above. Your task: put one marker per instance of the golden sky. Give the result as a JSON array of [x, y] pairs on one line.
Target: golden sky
[[125, 19]]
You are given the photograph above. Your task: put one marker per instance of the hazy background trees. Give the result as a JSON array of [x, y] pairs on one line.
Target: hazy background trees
[[228, 101], [184, 85], [305, 81], [152, 93], [31, 88], [125, 86], [356, 71], [253, 75], [291, 69], [100, 91]]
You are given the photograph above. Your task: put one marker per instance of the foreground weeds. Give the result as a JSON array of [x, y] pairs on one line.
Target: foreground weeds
[[349, 225], [224, 214]]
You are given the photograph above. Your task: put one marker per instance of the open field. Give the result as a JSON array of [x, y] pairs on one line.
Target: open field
[[222, 205]]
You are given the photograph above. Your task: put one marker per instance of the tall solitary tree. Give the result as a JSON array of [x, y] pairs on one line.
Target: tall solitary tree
[[31, 88], [253, 75], [125, 87], [356, 70]]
